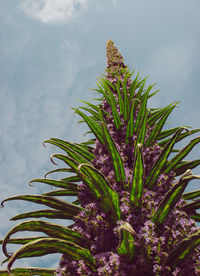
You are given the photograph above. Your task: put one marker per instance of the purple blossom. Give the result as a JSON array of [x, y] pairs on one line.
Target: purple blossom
[[155, 242]]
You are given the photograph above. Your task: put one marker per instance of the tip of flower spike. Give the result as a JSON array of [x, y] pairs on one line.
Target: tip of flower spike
[[115, 61]]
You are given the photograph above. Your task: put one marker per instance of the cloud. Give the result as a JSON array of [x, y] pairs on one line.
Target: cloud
[[51, 11]]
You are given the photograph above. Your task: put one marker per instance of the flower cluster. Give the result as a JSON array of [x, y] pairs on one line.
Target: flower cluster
[[96, 225]]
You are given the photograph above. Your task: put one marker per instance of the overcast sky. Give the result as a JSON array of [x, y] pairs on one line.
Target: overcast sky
[[51, 54]]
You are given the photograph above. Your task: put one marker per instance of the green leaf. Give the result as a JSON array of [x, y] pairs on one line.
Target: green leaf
[[94, 113], [158, 126], [143, 96], [62, 170], [62, 192], [103, 92], [185, 165], [30, 271], [109, 198], [120, 99], [126, 101], [142, 130], [133, 87], [183, 249], [141, 113], [130, 124], [73, 151], [43, 247], [182, 153], [112, 149], [57, 183], [172, 197], [159, 113], [55, 203], [72, 179], [181, 136], [137, 183], [68, 160], [195, 217], [94, 126], [128, 239], [154, 93], [140, 85], [51, 229], [112, 103], [168, 132], [51, 214], [90, 104], [161, 161], [75, 165], [191, 206], [23, 240], [191, 195]]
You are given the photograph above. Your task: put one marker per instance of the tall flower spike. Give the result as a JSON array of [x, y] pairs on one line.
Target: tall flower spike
[[114, 58], [132, 216]]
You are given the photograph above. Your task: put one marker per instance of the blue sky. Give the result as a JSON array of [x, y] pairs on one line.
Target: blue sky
[[52, 52]]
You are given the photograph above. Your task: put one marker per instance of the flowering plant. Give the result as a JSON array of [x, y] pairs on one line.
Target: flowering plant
[[132, 216]]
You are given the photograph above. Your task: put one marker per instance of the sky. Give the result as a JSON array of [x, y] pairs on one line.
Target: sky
[[51, 55]]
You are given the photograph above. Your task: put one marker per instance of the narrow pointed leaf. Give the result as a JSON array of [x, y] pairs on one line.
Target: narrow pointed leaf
[[192, 206], [191, 195], [171, 198], [141, 113], [23, 240], [72, 179], [181, 136], [130, 124], [126, 102], [195, 217], [51, 229], [142, 130], [128, 237], [133, 87], [154, 93], [137, 183], [140, 85], [62, 192], [161, 161], [184, 249], [68, 160], [183, 166], [103, 92], [73, 151], [48, 213], [113, 104], [120, 99], [57, 183], [83, 150], [109, 197], [168, 132], [159, 113], [43, 247], [90, 104], [117, 161], [94, 126], [157, 128], [182, 153], [94, 113], [55, 203], [143, 96], [30, 271], [60, 170]]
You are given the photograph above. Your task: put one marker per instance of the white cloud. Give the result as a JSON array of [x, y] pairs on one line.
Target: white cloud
[[51, 11]]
